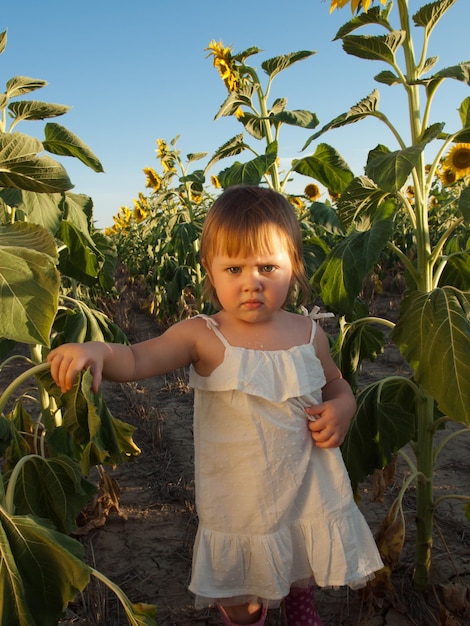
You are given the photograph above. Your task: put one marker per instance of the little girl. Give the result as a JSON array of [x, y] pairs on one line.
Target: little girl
[[275, 507]]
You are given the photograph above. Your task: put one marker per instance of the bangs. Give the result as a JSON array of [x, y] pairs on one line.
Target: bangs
[[247, 240]]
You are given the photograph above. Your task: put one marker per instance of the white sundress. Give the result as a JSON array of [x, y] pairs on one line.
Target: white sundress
[[273, 508]]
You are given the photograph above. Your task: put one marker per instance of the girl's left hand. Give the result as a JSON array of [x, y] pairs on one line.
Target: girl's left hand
[[329, 426]]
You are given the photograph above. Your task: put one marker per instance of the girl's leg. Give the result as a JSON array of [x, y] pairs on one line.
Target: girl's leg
[[254, 614], [300, 608]]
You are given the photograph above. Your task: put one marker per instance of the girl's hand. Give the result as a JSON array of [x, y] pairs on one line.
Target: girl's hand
[[330, 424], [68, 360]]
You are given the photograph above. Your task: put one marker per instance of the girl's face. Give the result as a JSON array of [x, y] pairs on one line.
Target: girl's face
[[252, 287]]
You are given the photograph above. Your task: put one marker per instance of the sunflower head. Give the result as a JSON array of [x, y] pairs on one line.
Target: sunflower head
[[224, 64], [458, 160], [356, 5], [312, 191], [153, 180]]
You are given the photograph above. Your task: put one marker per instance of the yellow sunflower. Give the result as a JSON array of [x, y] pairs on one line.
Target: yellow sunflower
[[355, 4], [458, 160], [215, 181], [222, 61], [153, 180], [446, 176], [312, 191]]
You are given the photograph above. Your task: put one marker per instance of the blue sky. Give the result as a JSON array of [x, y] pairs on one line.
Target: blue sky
[[134, 72]]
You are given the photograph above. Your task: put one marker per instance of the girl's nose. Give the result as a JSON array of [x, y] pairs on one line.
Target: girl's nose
[[253, 282]]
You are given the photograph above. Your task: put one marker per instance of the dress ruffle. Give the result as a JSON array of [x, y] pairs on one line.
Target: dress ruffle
[[266, 374], [332, 552]]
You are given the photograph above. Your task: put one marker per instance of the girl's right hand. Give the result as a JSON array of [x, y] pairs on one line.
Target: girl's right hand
[[69, 359]]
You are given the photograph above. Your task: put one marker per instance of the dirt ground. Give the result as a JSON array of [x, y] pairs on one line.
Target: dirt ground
[[146, 542]]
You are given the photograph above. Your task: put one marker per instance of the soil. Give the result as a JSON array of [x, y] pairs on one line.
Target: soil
[[143, 540]]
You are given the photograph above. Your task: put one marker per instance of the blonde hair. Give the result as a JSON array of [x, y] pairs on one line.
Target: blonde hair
[[242, 221]]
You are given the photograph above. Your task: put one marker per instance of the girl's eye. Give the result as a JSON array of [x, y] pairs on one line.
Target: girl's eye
[[267, 269], [233, 270]]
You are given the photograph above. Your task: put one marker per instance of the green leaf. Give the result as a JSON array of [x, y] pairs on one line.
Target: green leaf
[[196, 156], [390, 170], [358, 342], [20, 85], [373, 16], [59, 140], [249, 173], [3, 41], [53, 489], [384, 422], [41, 571], [29, 283], [363, 202], [374, 48], [39, 208], [366, 107], [34, 110], [21, 168], [464, 204], [341, 276], [78, 259], [459, 72], [94, 434], [327, 166], [457, 271], [82, 323], [429, 14], [433, 334], [278, 64], [299, 118], [234, 100], [230, 148], [326, 216], [387, 78]]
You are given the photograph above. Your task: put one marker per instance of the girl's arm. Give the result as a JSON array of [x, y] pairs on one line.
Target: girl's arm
[[333, 416], [173, 349]]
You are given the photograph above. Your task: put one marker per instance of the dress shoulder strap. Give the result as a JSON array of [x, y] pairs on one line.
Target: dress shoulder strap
[[212, 325]]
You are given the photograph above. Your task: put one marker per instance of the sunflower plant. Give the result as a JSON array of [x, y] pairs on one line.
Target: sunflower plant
[[262, 117], [405, 191], [158, 242], [52, 263]]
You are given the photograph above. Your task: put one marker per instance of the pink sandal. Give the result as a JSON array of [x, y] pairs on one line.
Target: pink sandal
[[228, 621]]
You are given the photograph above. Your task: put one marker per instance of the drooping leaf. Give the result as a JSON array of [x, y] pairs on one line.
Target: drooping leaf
[[357, 343], [53, 489], [42, 571], [327, 217], [385, 421], [95, 435], [341, 276], [278, 64], [21, 168], [433, 334], [39, 208], [249, 173], [29, 283], [362, 202], [327, 166], [390, 170], [59, 140], [234, 100], [78, 259]]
